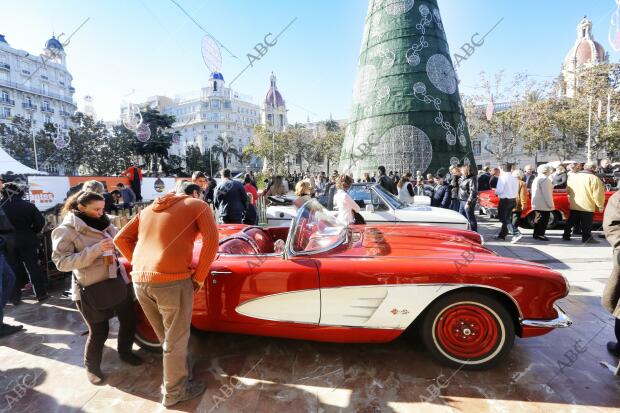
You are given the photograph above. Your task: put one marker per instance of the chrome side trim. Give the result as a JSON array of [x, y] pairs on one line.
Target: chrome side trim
[[561, 321]]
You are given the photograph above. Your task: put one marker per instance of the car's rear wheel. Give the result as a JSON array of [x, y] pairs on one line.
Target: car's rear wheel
[[145, 336], [468, 330]]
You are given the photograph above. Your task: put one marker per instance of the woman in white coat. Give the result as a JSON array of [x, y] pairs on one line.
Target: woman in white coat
[[542, 201]]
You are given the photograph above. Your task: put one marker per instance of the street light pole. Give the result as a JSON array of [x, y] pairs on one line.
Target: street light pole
[[590, 129], [273, 143], [34, 143]]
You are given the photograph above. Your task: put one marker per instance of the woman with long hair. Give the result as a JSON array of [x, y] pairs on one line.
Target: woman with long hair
[[343, 201], [276, 188], [405, 189], [468, 195], [83, 245]]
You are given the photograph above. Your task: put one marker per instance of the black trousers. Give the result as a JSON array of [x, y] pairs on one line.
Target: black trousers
[[227, 220], [585, 220], [617, 329], [98, 333], [541, 219], [504, 214], [25, 264]]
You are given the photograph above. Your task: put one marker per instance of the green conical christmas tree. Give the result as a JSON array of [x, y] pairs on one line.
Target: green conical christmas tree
[[407, 113]]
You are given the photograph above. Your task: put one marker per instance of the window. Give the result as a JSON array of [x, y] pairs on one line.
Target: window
[[281, 120], [298, 159], [48, 119], [215, 104], [6, 113], [270, 119], [477, 148], [227, 104]]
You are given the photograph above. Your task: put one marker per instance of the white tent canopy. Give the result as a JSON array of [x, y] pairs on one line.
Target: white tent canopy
[[7, 163]]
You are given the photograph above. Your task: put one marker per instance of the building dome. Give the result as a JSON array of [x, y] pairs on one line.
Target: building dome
[[585, 50], [273, 98], [217, 75], [53, 43]]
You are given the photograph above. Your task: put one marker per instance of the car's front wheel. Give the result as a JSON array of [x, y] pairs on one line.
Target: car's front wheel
[[468, 330], [145, 336]]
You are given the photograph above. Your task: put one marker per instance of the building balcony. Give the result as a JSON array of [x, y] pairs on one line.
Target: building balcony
[[64, 113], [71, 89], [7, 101], [29, 106], [5, 66], [47, 110], [6, 117], [23, 88], [43, 77]]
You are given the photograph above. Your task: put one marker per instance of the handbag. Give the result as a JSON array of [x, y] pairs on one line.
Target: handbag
[[359, 219], [105, 294]]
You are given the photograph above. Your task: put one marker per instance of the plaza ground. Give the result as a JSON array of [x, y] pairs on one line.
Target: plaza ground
[[559, 372]]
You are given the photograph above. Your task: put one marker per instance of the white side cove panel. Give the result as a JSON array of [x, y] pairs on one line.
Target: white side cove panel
[[390, 306], [297, 306]]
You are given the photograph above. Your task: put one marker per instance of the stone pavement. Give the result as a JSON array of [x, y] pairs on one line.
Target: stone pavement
[[41, 369]]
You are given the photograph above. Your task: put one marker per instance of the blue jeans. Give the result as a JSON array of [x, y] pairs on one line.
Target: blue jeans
[[7, 280], [455, 205], [470, 214]]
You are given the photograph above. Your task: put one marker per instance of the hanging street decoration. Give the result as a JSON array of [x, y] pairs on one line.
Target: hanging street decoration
[[143, 132], [131, 117]]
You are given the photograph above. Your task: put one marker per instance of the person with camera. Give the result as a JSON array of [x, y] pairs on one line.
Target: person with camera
[[83, 244]]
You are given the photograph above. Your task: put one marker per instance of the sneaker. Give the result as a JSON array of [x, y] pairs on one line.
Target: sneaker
[[130, 358], [565, 237], [192, 389], [95, 377], [516, 238], [613, 348], [540, 238], [7, 330]]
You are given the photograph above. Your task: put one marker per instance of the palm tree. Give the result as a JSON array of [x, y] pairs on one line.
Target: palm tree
[[224, 146]]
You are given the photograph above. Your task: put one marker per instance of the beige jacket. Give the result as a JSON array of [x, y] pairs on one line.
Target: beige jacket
[[76, 249], [586, 192]]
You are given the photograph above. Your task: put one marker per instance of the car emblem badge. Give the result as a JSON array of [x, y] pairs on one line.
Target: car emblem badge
[[394, 311]]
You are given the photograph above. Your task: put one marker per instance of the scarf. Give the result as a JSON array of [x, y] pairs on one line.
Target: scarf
[[99, 224]]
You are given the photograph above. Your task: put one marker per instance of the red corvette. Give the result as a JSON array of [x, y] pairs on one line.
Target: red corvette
[[318, 280], [489, 203]]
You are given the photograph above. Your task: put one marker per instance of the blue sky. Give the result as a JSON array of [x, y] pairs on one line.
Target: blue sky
[[149, 46]]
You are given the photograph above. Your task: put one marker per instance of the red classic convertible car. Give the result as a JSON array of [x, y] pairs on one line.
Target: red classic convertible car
[[318, 280], [489, 203]]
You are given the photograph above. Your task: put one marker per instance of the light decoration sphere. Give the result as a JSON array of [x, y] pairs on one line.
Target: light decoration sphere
[[441, 73], [143, 133]]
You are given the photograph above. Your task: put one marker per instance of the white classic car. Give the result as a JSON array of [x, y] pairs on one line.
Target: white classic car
[[377, 206]]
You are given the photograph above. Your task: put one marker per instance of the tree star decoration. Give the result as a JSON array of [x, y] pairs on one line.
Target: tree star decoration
[[143, 132], [441, 73]]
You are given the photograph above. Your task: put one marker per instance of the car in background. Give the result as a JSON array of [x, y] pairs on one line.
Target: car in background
[[489, 203], [376, 206]]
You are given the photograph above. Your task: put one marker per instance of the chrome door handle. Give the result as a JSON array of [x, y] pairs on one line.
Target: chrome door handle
[[221, 272]]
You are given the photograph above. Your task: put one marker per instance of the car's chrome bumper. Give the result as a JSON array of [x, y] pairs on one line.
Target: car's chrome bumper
[[561, 321], [489, 211]]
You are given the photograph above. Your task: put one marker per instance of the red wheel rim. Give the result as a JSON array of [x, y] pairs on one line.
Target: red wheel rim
[[468, 331], [143, 327]]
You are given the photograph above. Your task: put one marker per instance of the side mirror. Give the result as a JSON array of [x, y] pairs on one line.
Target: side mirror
[[370, 208]]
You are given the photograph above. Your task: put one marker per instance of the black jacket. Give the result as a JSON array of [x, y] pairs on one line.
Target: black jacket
[[26, 219], [388, 184], [210, 191], [483, 182], [7, 235], [441, 196], [529, 179], [559, 180], [493, 182], [468, 190], [231, 199], [454, 187]]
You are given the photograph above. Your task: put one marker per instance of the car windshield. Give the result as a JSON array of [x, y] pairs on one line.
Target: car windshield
[[314, 229], [390, 198]]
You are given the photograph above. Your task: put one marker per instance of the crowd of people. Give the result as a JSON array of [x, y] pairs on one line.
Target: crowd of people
[[159, 242]]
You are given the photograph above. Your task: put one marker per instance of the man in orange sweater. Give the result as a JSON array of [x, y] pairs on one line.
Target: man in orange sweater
[[159, 242]]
